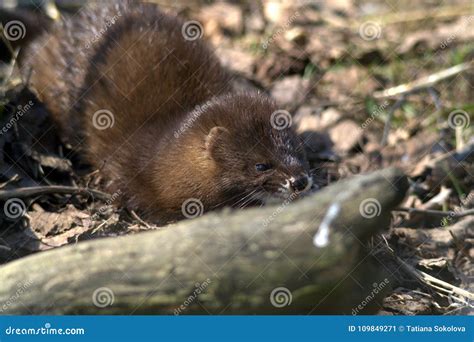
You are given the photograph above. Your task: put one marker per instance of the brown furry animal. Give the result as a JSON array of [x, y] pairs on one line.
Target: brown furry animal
[[151, 107]]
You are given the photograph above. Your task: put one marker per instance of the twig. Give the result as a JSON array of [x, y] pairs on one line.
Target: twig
[[405, 16], [96, 229], [14, 62], [13, 179], [136, 217], [435, 97], [11, 68], [443, 288], [54, 189], [437, 212], [388, 121], [424, 82], [410, 88], [434, 282]]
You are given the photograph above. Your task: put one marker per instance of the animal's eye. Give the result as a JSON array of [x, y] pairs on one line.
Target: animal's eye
[[262, 167]]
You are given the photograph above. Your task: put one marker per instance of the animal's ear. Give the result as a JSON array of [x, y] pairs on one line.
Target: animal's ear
[[214, 140]]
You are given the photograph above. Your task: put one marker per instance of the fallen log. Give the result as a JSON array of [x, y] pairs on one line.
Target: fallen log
[[309, 256]]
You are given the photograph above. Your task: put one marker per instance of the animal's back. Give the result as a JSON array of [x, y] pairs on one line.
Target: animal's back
[[127, 60]]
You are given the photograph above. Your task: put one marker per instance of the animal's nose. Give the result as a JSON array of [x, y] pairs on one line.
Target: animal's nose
[[300, 184]]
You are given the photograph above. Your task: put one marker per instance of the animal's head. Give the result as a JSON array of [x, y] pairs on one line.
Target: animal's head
[[255, 149]]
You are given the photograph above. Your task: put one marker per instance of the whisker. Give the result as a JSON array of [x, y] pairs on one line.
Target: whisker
[[246, 202], [255, 196], [231, 199], [245, 198]]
